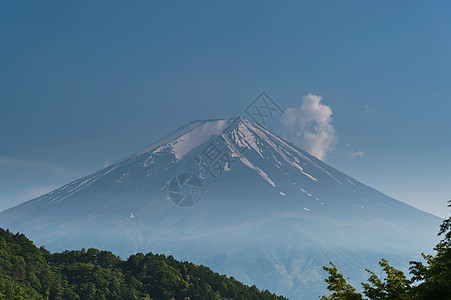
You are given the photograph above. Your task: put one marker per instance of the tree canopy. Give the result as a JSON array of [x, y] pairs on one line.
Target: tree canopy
[[430, 279], [28, 272]]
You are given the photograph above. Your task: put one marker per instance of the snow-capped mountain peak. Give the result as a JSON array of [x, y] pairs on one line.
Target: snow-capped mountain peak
[[235, 196]]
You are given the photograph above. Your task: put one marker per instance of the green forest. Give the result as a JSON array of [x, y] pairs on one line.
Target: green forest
[[29, 272]]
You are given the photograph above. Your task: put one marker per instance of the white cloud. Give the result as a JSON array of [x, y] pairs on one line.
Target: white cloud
[[357, 154], [352, 153], [29, 163], [368, 108], [310, 126], [38, 165]]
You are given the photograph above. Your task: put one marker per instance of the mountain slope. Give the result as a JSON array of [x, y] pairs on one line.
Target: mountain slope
[[230, 194]]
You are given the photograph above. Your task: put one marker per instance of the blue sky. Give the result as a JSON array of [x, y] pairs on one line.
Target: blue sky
[[83, 83]]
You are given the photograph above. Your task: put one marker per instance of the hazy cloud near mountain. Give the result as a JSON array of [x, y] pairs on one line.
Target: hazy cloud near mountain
[[357, 154], [27, 163], [310, 126], [352, 153]]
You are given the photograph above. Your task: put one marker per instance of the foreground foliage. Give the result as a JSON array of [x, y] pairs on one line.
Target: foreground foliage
[[28, 272], [430, 280]]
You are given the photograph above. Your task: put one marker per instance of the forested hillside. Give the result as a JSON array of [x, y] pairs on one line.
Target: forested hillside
[[28, 272]]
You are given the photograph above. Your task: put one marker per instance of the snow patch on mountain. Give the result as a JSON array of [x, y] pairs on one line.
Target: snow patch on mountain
[[190, 140], [187, 138], [260, 172]]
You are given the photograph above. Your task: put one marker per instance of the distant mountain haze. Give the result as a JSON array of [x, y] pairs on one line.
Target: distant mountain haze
[[234, 196]]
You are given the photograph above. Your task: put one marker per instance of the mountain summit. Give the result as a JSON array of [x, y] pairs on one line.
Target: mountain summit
[[234, 196]]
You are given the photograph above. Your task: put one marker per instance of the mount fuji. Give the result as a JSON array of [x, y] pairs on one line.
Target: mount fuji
[[233, 196]]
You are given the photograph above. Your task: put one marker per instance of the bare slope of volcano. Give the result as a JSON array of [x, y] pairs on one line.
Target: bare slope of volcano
[[234, 196]]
